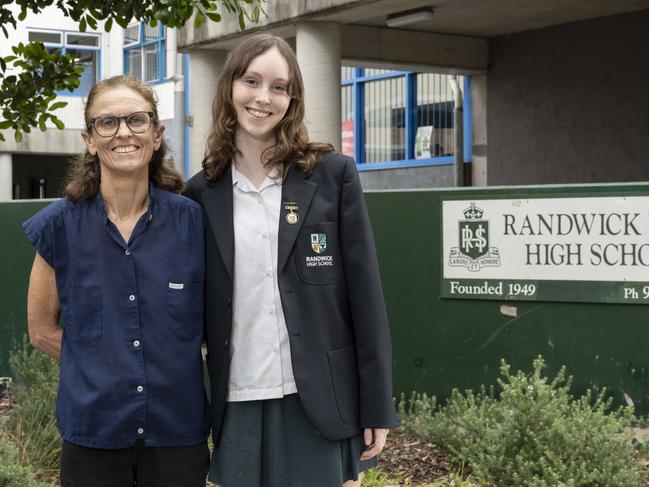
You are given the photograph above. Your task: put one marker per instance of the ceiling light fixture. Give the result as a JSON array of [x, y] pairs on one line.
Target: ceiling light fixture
[[408, 17]]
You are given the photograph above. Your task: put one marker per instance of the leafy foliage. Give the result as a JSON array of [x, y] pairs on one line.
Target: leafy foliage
[[12, 473], [27, 99], [32, 424], [533, 433]]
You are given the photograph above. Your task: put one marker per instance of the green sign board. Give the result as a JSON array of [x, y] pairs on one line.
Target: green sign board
[[579, 249]]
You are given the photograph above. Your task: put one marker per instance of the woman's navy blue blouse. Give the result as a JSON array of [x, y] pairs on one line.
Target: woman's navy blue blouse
[[131, 365]]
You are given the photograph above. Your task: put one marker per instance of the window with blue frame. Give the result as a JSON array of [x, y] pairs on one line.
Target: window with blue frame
[[398, 117], [84, 47], [144, 52]]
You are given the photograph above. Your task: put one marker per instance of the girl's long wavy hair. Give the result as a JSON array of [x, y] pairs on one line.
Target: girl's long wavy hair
[[84, 173], [292, 147]]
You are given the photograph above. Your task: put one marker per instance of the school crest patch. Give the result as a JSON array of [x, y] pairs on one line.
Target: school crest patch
[[319, 242]]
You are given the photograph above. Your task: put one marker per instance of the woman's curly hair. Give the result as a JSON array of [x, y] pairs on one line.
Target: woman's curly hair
[[84, 173], [292, 147]]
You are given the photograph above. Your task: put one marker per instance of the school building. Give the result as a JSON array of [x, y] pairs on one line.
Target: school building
[[421, 93]]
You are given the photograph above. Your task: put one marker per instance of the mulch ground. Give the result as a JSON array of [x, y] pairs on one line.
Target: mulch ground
[[420, 461]]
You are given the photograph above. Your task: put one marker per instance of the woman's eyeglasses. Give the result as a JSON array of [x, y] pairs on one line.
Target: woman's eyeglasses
[[108, 125]]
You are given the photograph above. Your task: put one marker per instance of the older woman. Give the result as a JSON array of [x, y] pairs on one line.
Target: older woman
[[121, 257]]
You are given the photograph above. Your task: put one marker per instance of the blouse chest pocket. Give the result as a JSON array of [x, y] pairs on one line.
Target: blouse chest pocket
[[83, 321], [185, 308], [317, 253]]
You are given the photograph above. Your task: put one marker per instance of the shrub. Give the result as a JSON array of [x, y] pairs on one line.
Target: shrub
[[32, 423], [533, 434], [12, 473]]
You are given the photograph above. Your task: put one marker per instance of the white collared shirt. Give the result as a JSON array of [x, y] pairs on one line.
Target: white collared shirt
[[261, 354]]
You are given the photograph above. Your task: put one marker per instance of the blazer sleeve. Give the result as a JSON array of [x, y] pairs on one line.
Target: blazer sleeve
[[371, 328]]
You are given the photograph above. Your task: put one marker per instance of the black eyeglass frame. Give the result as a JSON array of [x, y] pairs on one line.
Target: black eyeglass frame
[[91, 123]]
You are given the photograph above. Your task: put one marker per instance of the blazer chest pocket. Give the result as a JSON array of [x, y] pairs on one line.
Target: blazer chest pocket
[[83, 315], [185, 308], [317, 253]]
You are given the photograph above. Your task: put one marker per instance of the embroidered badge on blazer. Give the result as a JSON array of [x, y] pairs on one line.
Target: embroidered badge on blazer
[[317, 253], [319, 242]]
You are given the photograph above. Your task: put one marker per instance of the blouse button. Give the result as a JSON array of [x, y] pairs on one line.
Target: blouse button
[[136, 343], [131, 297], [140, 388], [140, 431], [127, 252]]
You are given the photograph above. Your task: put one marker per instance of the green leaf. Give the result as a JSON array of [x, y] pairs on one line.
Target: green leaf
[[242, 22], [109, 24], [82, 25], [92, 22], [199, 19], [122, 22], [2, 138], [22, 15], [213, 16], [59, 124], [5, 124], [18, 136], [57, 105]]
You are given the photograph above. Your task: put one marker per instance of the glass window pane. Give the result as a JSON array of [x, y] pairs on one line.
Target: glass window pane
[[151, 33], [385, 120], [347, 120], [435, 105], [376, 72], [132, 35], [346, 73], [151, 62], [134, 63], [45, 37], [82, 40], [87, 59]]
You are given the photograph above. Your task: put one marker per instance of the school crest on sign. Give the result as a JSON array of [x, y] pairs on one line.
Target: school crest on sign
[[319, 242], [473, 251]]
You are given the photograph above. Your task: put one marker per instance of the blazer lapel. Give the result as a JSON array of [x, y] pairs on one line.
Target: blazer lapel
[[296, 190], [217, 202]]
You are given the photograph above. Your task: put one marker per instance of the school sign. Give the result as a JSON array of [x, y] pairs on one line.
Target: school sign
[[583, 249]]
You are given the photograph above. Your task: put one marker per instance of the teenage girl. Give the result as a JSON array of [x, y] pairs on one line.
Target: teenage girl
[[299, 352]]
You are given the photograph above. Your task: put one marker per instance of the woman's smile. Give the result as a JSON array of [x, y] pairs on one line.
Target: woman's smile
[[125, 149], [258, 113]]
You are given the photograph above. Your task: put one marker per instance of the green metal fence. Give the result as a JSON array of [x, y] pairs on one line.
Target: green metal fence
[[440, 343], [15, 265]]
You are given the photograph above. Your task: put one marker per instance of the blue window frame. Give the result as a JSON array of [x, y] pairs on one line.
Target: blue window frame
[[400, 118], [83, 46], [144, 52]]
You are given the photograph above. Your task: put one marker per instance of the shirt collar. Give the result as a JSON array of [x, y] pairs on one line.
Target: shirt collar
[[154, 195], [239, 179]]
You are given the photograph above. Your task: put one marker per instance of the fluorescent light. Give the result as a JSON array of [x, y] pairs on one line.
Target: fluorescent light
[[408, 17]]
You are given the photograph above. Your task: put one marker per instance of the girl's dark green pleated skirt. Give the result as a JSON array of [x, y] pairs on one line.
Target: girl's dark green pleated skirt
[[272, 443]]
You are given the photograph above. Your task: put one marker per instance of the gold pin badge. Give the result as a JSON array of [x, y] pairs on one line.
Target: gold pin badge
[[291, 217]]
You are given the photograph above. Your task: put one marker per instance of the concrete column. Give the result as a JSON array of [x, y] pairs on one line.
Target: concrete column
[[318, 52], [171, 51], [6, 176], [205, 67], [113, 52]]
